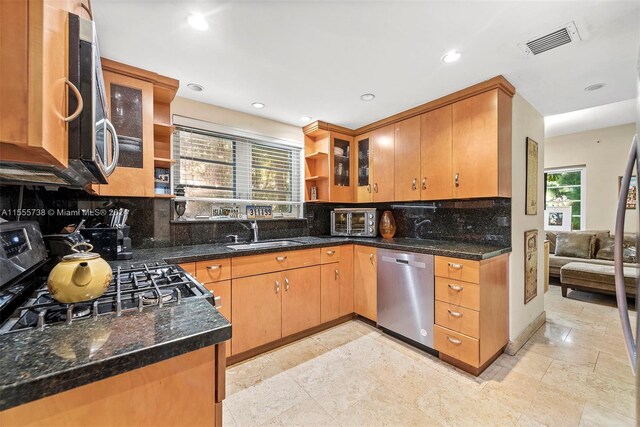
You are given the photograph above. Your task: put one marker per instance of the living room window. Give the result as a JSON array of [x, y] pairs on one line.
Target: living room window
[[222, 174], [564, 187]]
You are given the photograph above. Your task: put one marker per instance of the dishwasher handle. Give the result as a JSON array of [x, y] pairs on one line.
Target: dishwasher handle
[[407, 262]]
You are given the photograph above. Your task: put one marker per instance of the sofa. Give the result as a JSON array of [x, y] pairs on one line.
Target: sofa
[[583, 260]]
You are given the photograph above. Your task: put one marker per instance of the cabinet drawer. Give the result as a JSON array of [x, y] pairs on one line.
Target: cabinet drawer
[[458, 346], [458, 269], [260, 264], [457, 318], [457, 292], [213, 270], [189, 267], [330, 254]]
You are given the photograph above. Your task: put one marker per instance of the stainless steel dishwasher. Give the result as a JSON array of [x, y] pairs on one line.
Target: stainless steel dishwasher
[[406, 295]]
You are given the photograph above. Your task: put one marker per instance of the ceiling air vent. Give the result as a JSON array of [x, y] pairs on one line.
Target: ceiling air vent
[[557, 38]]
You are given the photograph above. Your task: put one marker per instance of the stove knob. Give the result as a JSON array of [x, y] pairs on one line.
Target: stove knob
[[371, 223]]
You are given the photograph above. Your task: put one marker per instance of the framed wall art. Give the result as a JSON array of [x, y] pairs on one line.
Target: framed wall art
[[531, 191], [530, 265], [632, 196], [557, 218]]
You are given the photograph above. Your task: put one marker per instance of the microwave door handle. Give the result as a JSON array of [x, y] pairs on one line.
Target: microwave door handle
[[349, 225], [116, 147], [621, 295]]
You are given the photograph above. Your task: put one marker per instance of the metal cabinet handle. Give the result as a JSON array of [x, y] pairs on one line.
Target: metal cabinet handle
[[455, 266], [455, 341], [214, 267], [116, 147], [337, 274], [414, 184], [375, 187], [76, 93], [286, 283], [457, 180], [277, 286], [371, 258], [217, 299], [456, 288], [455, 313], [368, 188], [331, 252], [424, 183], [281, 258]]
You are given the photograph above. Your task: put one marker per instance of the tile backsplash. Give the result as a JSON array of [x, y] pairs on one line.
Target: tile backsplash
[[478, 221]]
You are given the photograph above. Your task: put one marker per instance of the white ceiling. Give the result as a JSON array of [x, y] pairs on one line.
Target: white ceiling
[[617, 113], [315, 58]]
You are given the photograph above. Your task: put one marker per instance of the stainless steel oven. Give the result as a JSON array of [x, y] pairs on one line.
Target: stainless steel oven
[[361, 222]]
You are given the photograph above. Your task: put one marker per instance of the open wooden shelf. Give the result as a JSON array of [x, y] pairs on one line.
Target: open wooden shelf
[[162, 162], [317, 201], [316, 155], [162, 129], [164, 196], [315, 178]]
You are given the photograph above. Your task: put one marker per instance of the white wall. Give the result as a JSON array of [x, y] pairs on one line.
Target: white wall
[[235, 119], [604, 152], [527, 122]]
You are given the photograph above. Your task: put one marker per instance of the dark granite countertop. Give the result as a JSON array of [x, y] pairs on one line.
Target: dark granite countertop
[[39, 363], [180, 254]]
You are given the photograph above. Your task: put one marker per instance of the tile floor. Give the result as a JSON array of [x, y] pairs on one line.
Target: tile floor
[[573, 372]]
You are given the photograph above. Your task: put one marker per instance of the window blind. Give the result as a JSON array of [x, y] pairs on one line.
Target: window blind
[[221, 170]]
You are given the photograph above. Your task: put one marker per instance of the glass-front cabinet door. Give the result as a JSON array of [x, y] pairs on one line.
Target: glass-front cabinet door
[[364, 191], [130, 105], [341, 172]]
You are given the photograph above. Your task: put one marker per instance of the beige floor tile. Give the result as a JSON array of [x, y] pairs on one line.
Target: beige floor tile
[[597, 416], [567, 351], [307, 413], [260, 403], [525, 421], [615, 367], [250, 373], [227, 418], [550, 332], [593, 326], [382, 408], [297, 353], [526, 362], [339, 335], [611, 344]]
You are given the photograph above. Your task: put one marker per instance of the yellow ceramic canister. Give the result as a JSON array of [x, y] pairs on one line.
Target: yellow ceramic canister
[[81, 276]]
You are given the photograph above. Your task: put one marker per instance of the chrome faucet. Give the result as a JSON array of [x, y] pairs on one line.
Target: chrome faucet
[[254, 230]]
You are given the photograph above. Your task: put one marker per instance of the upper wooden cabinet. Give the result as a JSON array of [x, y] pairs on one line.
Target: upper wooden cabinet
[[482, 146], [342, 166], [436, 182], [33, 81], [382, 144], [407, 159], [364, 168]]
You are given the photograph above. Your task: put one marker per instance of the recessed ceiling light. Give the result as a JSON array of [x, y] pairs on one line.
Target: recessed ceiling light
[[195, 87], [596, 86], [367, 97], [258, 105], [452, 56], [197, 21], [305, 118]]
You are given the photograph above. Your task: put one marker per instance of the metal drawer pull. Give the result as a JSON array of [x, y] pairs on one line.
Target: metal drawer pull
[[455, 313], [277, 286], [414, 184], [337, 274], [368, 188], [375, 187], [456, 288], [457, 180], [286, 283], [331, 252], [424, 183], [371, 258], [76, 93], [214, 267], [281, 258], [455, 341], [456, 266], [217, 299]]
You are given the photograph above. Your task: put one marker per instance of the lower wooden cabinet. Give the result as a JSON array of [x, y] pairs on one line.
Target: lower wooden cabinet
[[256, 309], [346, 280], [300, 299], [365, 282], [330, 292], [222, 293]]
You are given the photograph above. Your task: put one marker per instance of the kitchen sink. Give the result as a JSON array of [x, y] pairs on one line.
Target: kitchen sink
[[263, 245]]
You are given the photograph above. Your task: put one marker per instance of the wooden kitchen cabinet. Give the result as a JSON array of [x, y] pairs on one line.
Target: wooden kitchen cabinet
[[436, 150], [222, 292], [33, 81], [213, 270], [256, 310], [471, 310], [346, 280], [330, 291], [365, 282], [341, 168], [407, 160], [364, 168], [382, 141], [300, 299], [130, 103], [481, 142]]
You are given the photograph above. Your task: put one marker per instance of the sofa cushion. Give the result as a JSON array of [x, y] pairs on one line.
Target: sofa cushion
[[601, 235], [589, 272], [560, 261], [575, 245], [605, 252]]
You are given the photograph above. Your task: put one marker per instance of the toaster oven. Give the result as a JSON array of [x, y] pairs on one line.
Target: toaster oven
[[361, 222]]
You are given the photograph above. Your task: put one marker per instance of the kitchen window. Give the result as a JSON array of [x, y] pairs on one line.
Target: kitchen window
[[565, 187], [223, 173]]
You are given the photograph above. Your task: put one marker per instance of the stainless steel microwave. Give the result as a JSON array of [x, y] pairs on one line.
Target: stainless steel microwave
[[361, 222]]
